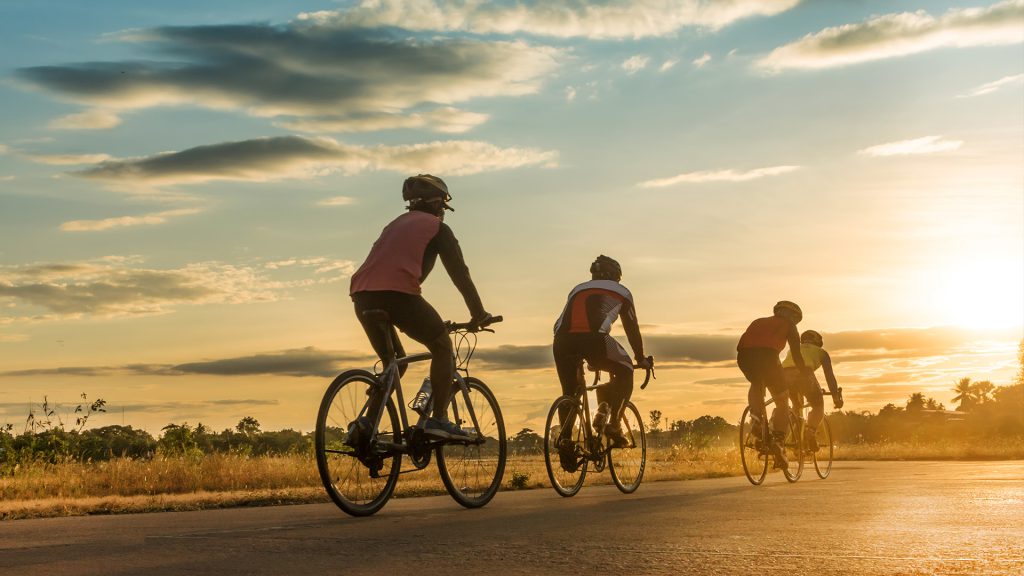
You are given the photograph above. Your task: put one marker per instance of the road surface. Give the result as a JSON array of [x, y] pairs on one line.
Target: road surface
[[867, 518]]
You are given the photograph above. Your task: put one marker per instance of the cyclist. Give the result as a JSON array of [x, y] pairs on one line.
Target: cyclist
[[390, 280], [758, 358], [581, 333], [814, 356]]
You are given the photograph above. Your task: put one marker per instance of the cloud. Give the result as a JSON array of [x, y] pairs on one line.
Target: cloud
[[68, 159], [924, 145], [668, 65], [268, 159], [634, 64], [116, 286], [446, 120], [126, 221], [87, 120], [902, 34], [508, 357], [991, 87], [311, 77], [570, 93], [337, 201], [700, 62], [558, 18], [718, 176]]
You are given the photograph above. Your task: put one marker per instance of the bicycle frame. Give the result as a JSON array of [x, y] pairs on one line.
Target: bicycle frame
[[583, 390]]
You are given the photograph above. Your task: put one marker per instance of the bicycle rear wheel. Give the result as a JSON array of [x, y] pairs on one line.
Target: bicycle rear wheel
[[627, 464], [564, 440], [348, 480], [472, 472], [823, 457], [794, 447], [753, 447]]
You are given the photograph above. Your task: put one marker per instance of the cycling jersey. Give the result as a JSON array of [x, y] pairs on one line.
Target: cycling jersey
[[769, 332], [812, 355], [593, 307], [405, 253]]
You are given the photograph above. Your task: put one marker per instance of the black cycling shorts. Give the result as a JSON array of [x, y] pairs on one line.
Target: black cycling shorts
[[410, 313]]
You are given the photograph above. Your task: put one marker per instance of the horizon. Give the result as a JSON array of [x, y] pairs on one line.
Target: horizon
[[186, 191]]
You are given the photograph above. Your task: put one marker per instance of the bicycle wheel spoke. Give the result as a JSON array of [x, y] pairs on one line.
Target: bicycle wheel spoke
[[472, 472]]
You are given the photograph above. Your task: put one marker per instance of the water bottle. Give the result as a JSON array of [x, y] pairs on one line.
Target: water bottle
[[421, 401], [601, 417]]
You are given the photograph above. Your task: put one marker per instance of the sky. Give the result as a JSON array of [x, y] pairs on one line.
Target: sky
[[186, 188]]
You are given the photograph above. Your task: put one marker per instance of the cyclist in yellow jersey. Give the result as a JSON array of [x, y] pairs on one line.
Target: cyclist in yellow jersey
[[814, 357]]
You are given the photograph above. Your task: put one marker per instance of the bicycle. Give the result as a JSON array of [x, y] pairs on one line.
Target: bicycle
[[754, 446], [585, 447], [361, 437], [822, 436]]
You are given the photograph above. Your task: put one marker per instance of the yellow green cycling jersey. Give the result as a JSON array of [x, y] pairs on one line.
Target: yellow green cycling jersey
[[812, 355]]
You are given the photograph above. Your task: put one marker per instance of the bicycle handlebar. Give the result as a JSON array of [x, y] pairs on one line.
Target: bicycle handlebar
[[473, 327], [650, 372]]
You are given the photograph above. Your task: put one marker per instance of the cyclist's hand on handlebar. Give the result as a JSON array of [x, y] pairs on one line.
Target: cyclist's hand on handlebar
[[481, 320], [837, 399], [645, 362]]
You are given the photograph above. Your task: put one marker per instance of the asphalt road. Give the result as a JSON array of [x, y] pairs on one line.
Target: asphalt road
[[867, 518]]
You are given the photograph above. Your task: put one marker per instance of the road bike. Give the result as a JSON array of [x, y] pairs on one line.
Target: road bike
[[573, 442], [822, 456], [363, 429], [755, 455]]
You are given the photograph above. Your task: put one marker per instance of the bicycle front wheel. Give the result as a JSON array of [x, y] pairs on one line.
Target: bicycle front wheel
[[564, 438], [359, 481], [472, 472], [627, 464], [823, 456], [753, 447], [794, 447]]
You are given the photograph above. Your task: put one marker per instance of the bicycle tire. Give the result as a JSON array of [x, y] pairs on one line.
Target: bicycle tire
[[824, 440], [753, 454], [566, 482], [627, 467], [347, 480], [472, 473], [794, 447]]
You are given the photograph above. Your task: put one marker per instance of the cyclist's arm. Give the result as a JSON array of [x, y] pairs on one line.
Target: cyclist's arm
[[830, 376], [793, 337], [631, 327], [451, 256]]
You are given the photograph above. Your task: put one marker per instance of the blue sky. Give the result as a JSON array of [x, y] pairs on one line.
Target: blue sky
[[185, 189]]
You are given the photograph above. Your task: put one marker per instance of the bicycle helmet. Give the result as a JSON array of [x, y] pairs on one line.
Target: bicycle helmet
[[605, 268], [791, 307], [426, 188], [812, 337]]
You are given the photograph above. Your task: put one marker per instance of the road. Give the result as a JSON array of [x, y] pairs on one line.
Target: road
[[867, 518]]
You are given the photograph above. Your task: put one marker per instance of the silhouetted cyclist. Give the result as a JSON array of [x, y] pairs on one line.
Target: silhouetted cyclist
[[758, 358], [390, 279], [581, 333], [799, 383]]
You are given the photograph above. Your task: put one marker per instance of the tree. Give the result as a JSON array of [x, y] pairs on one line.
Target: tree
[[916, 402], [655, 421], [248, 426], [526, 441], [965, 395], [983, 391]]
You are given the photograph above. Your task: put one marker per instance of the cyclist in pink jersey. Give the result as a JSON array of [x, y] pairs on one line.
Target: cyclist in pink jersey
[[390, 278], [757, 355]]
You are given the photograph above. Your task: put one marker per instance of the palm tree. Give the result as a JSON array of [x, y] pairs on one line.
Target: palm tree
[[916, 402], [983, 391], [965, 395]]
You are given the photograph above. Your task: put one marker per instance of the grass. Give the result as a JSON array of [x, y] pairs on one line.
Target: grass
[[222, 480]]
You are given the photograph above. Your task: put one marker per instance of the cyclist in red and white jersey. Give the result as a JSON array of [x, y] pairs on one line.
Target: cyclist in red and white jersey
[[582, 333]]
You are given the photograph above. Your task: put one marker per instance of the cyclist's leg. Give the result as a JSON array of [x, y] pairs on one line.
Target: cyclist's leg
[[569, 366], [747, 360], [378, 338], [812, 391], [616, 362], [776, 384], [421, 322]]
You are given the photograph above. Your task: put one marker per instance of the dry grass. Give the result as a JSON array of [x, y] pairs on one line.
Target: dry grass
[[220, 481]]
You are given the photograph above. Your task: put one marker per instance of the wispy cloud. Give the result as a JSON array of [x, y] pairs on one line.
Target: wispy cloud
[[88, 120], [668, 65], [267, 159], [915, 146], [991, 87], [337, 201], [634, 64], [557, 18], [902, 34], [309, 76], [730, 175], [67, 159], [119, 286], [702, 60], [126, 221]]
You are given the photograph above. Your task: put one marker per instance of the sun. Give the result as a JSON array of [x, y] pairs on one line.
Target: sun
[[980, 292]]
